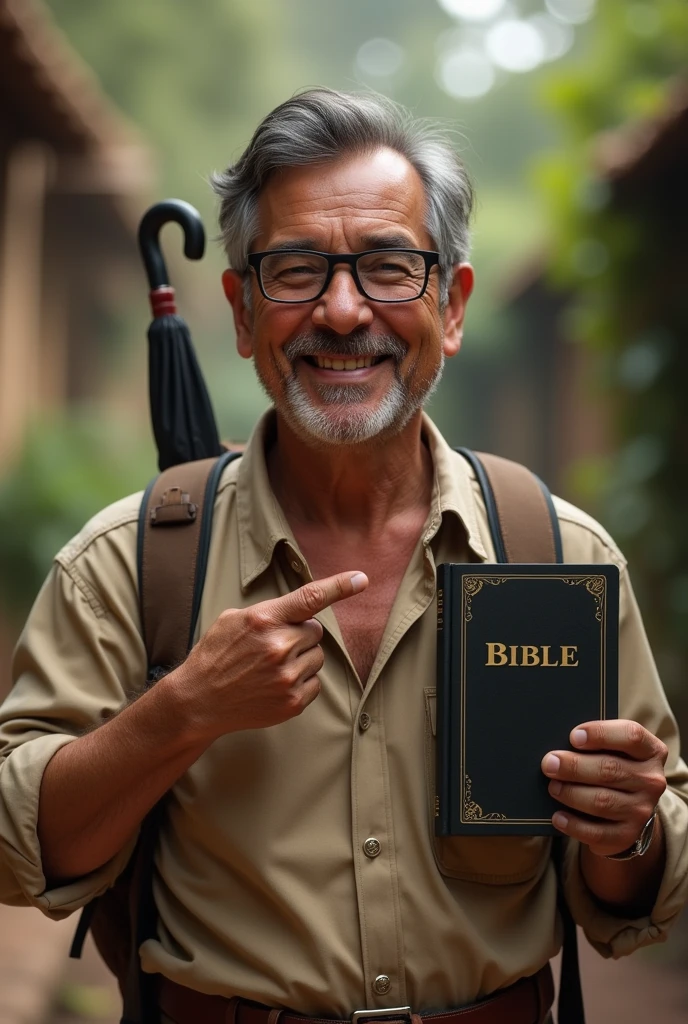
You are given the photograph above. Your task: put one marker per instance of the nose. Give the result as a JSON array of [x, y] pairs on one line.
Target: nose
[[342, 308]]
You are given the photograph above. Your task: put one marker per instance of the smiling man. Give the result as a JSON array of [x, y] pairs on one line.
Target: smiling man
[[297, 867]]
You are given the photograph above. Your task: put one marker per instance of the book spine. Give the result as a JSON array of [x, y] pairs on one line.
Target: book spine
[[444, 627]]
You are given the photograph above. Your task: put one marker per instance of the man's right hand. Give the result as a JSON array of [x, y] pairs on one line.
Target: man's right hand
[[254, 667], [257, 666]]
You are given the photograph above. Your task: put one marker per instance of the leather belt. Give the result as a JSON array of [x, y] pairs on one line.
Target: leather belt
[[525, 1002]]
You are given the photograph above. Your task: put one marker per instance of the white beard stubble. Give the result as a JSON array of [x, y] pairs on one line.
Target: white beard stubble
[[349, 423]]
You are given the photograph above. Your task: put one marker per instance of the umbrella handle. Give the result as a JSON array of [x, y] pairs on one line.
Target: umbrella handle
[[149, 241]]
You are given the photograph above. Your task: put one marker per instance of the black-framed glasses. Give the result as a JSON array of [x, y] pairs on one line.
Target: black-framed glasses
[[382, 275]]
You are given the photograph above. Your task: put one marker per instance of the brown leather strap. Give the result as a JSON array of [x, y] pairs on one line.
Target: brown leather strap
[[526, 1002], [522, 509], [175, 504]]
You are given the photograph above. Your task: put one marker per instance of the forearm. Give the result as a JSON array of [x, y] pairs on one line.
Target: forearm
[[627, 888], [96, 791]]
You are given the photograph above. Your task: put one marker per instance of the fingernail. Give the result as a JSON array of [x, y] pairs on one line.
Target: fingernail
[[552, 764], [358, 581], [559, 820], [555, 787], [579, 737]]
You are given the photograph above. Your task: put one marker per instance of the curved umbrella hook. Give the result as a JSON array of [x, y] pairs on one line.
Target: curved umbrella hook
[[149, 241]]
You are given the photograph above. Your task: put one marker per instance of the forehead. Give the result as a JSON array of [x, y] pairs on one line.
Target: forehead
[[345, 199]]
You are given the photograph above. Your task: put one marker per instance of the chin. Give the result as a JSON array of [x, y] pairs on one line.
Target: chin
[[346, 426], [348, 417]]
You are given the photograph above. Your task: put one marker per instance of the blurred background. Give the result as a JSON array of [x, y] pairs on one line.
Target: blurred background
[[572, 117]]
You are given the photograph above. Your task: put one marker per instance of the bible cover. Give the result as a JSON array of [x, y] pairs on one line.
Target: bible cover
[[525, 654]]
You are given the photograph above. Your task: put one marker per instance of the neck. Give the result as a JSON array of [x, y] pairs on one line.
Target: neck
[[359, 486]]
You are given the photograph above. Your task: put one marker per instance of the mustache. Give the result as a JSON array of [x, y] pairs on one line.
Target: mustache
[[358, 343]]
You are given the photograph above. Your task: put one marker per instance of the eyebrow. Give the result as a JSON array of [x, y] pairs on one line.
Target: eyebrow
[[294, 243], [374, 241], [388, 241]]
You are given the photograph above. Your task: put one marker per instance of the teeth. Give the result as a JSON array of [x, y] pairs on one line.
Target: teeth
[[343, 364]]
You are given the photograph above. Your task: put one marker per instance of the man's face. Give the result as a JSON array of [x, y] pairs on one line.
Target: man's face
[[356, 203]]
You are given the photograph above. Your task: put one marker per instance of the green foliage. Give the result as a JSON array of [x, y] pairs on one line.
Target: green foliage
[[69, 468], [622, 255]]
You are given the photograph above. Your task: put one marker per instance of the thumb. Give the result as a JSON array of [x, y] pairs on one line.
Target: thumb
[[307, 601]]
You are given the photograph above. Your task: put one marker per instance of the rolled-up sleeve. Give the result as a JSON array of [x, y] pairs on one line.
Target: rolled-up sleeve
[[78, 660], [641, 699]]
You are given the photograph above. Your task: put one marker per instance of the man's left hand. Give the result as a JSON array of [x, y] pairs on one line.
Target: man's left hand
[[612, 782]]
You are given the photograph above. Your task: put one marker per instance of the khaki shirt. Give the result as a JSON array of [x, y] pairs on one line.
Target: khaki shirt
[[265, 885]]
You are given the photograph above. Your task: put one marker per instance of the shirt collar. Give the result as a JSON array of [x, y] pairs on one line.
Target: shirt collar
[[453, 490], [262, 525]]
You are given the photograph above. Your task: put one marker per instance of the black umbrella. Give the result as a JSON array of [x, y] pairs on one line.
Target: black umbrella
[[181, 411]]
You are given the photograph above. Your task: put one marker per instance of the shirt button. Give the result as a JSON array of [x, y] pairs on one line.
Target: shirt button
[[296, 566], [364, 721], [382, 985], [371, 847]]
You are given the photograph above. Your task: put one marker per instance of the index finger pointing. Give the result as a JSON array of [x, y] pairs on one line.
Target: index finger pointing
[[313, 597]]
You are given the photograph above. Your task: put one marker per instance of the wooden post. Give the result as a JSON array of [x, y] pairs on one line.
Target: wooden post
[[21, 244]]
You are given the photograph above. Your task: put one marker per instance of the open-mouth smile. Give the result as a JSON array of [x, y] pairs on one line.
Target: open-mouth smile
[[344, 363]]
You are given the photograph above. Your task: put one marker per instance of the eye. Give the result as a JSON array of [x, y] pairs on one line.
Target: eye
[[283, 266], [297, 270], [392, 264]]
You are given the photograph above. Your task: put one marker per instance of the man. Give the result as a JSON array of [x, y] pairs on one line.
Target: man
[[297, 866]]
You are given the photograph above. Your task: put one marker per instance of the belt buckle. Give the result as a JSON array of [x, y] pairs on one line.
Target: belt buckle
[[394, 1013]]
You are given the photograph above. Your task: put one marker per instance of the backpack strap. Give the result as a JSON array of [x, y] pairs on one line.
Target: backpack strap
[[520, 510], [175, 523], [525, 528]]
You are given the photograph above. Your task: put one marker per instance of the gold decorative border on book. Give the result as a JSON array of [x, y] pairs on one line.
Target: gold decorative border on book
[[472, 585], [471, 812], [595, 585]]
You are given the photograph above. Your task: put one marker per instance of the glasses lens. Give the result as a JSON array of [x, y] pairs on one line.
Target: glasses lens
[[392, 275], [293, 276]]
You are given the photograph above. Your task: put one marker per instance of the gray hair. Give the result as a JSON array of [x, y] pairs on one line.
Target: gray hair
[[318, 125]]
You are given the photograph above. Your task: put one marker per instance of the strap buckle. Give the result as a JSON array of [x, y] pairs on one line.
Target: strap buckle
[[176, 507], [395, 1013]]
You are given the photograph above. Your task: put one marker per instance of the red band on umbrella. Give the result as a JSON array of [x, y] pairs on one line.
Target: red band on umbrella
[[162, 301]]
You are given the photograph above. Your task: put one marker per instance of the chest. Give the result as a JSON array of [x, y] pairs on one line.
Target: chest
[[362, 619]]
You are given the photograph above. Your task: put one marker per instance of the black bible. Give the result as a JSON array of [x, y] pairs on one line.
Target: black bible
[[525, 654]]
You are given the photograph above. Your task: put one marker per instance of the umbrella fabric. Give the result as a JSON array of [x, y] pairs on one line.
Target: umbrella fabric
[[181, 412]]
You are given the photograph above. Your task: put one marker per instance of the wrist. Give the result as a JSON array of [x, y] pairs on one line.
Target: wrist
[[626, 888], [641, 845], [179, 693]]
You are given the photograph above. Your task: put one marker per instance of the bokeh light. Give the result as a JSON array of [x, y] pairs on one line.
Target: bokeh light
[[572, 12], [515, 45], [380, 57], [557, 36], [465, 73], [472, 10]]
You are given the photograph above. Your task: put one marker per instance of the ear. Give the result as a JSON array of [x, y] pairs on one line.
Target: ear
[[455, 310], [233, 285]]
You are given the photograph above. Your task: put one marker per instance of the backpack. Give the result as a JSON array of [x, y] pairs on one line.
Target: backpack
[[176, 519]]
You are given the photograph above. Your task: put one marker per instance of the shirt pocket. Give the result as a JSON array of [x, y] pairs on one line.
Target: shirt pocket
[[492, 860]]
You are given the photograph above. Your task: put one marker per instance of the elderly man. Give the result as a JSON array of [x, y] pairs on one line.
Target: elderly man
[[297, 866]]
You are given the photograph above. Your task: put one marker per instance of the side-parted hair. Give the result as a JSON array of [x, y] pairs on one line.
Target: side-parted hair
[[320, 125]]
